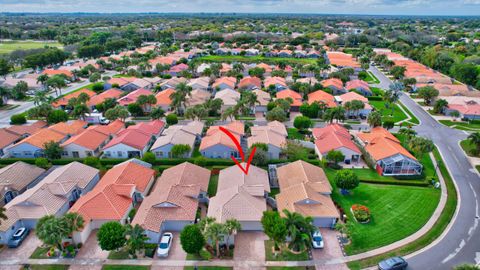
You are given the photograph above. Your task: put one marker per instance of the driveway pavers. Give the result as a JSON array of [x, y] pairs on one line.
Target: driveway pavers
[[176, 251], [91, 249], [331, 250], [249, 246]]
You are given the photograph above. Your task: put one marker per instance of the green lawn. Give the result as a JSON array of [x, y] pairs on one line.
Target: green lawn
[[118, 255], [431, 235], [10, 46], [397, 212], [40, 253], [48, 267], [284, 256], [413, 119], [294, 134], [255, 59], [377, 91], [467, 146], [371, 78], [212, 185], [461, 125], [397, 115], [125, 267], [371, 176]]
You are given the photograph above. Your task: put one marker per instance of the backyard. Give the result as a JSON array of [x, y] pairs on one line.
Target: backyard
[[461, 125], [10, 46]]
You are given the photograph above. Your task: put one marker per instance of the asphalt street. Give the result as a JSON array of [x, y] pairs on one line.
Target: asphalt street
[[461, 244]]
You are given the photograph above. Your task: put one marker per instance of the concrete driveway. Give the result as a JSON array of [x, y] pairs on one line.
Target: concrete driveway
[[331, 250], [249, 246], [24, 251], [176, 254]]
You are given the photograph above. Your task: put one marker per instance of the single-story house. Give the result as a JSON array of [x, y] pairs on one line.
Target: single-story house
[[53, 195], [27, 130], [119, 191], [16, 178], [349, 97], [278, 82], [263, 99], [388, 153], [163, 99], [336, 85], [273, 135], [86, 144], [217, 144], [133, 96], [153, 128], [69, 128], [63, 101], [200, 83], [224, 83], [335, 137], [7, 140], [173, 82], [360, 86], [250, 83], [174, 201], [295, 96], [304, 188], [110, 93], [229, 97], [321, 96], [173, 135], [128, 143], [343, 60], [177, 69], [34, 145], [241, 196], [198, 97], [467, 107]]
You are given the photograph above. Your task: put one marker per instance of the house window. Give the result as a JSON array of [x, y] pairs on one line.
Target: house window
[[119, 153], [159, 154], [75, 154], [88, 153], [27, 153], [64, 153], [107, 153]]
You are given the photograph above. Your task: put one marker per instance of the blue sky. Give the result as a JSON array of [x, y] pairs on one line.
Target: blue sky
[[390, 7]]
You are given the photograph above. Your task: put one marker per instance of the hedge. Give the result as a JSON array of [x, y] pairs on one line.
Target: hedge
[[375, 98], [396, 183]]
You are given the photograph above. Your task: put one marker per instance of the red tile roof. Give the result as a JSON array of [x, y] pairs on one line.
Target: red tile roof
[[110, 93], [382, 144], [153, 127], [89, 138], [133, 138], [287, 93], [322, 97], [333, 82], [247, 81], [63, 101], [133, 96], [52, 72], [163, 97], [69, 128], [332, 137]]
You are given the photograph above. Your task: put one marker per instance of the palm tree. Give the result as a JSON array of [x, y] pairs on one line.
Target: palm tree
[[83, 98], [81, 111], [3, 216], [40, 97], [232, 226], [179, 97], [51, 230], [146, 101], [374, 119], [43, 79], [136, 239], [228, 113], [475, 139], [300, 230], [205, 222], [238, 68], [407, 132], [74, 222], [215, 233]]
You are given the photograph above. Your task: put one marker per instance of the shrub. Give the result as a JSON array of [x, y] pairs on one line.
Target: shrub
[[346, 180], [149, 157], [200, 161], [18, 119], [97, 87], [171, 119], [361, 213], [42, 163], [132, 213], [191, 239], [92, 162]]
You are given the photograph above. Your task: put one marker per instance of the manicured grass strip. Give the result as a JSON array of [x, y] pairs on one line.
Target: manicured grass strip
[[40, 253], [397, 212], [294, 134], [371, 78], [48, 267], [468, 147], [118, 255], [431, 235], [212, 185], [371, 176], [461, 125], [255, 59], [125, 267], [397, 115], [284, 256], [413, 120]]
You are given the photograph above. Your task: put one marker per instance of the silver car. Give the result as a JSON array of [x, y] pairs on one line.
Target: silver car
[[165, 244]]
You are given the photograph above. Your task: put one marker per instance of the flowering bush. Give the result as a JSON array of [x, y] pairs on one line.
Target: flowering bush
[[361, 212]]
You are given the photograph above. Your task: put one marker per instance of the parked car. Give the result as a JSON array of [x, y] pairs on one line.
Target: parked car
[[394, 263], [165, 244], [317, 239], [18, 237]]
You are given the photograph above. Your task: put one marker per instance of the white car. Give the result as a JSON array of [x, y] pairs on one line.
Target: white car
[[165, 244], [317, 239]]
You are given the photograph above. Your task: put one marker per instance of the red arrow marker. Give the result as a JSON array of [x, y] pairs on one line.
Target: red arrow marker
[[239, 147]]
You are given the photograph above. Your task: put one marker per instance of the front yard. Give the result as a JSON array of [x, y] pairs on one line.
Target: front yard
[[284, 256], [397, 115], [397, 212], [461, 125]]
